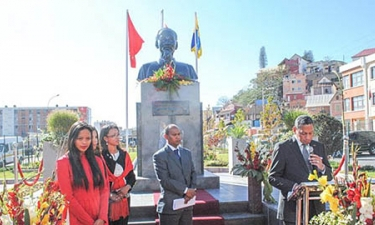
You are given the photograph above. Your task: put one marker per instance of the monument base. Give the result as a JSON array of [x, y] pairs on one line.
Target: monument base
[[207, 180]]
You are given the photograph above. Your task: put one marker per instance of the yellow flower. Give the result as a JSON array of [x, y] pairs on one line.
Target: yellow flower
[[44, 205], [313, 176], [45, 219], [323, 181], [327, 194], [334, 205]]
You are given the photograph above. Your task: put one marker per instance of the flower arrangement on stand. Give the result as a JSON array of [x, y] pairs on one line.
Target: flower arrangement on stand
[[350, 201], [166, 79], [254, 164]]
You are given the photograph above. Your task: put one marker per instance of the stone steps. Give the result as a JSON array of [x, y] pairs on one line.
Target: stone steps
[[234, 213]]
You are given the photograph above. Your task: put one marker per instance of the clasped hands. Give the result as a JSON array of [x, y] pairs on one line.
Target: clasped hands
[[119, 194], [190, 193], [317, 161]]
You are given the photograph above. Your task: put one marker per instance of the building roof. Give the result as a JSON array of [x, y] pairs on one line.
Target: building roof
[[325, 80], [365, 52], [318, 100]]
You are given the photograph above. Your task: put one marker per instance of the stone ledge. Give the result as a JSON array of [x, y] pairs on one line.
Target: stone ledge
[[206, 181]]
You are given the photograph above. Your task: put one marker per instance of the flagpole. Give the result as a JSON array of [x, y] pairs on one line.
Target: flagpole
[[162, 18], [126, 82], [196, 45]]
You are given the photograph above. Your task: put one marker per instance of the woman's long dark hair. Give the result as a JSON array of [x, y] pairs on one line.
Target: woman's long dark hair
[[104, 132], [97, 150], [79, 176]]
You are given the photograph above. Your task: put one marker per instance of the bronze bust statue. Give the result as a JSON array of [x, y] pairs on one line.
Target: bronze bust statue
[[166, 41]]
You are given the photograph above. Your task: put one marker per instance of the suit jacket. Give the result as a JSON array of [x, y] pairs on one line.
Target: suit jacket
[[174, 176], [289, 168]]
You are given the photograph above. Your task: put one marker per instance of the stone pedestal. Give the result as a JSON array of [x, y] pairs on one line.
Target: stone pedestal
[[158, 109]]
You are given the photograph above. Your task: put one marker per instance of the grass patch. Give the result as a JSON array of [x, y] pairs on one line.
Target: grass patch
[[8, 173], [366, 168]]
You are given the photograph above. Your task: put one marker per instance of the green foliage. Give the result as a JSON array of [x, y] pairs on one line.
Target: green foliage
[[58, 125], [308, 55], [286, 135], [220, 163], [263, 58], [329, 132], [215, 157], [271, 119], [238, 129], [290, 116], [268, 82]]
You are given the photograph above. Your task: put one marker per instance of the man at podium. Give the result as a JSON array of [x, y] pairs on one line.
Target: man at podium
[[292, 162]]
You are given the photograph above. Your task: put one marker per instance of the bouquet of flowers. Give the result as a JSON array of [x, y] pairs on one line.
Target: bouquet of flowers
[[255, 162], [166, 79], [32, 203], [350, 201]]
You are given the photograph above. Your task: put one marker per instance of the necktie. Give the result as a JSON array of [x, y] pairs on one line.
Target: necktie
[[306, 156], [176, 153]]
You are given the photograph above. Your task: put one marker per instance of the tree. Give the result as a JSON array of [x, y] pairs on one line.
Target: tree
[[290, 116], [263, 58], [223, 100], [238, 129], [329, 132], [58, 125], [271, 119], [270, 82], [308, 55]]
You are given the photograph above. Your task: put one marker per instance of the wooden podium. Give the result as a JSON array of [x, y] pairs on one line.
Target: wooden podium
[[303, 201]]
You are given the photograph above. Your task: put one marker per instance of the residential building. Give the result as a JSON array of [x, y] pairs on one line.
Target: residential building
[[22, 121], [358, 79], [312, 85], [324, 98], [227, 113], [294, 81]]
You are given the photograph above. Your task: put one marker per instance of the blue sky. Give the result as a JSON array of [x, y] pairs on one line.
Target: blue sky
[[77, 48]]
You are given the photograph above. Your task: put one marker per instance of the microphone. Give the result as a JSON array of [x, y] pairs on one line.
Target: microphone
[[310, 149]]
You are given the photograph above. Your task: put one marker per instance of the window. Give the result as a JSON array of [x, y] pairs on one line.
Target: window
[[337, 107], [299, 81], [372, 72], [346, 105], [373, 98], [358, 103], [345, 82], [357, 79]]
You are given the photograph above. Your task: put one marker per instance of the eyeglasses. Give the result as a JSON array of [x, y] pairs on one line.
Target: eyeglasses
[[114, 136]]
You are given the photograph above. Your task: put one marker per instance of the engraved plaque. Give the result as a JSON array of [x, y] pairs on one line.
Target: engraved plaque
[[170, 108]]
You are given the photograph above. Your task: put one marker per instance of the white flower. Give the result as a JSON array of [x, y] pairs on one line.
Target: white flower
[[6, 220]]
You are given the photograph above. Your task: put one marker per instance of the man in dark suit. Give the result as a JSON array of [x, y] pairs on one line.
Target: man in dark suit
[[166, 41], [175, 172], [292, 162]]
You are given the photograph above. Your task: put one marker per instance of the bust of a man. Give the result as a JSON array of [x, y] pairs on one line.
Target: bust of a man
[[166, 41]]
